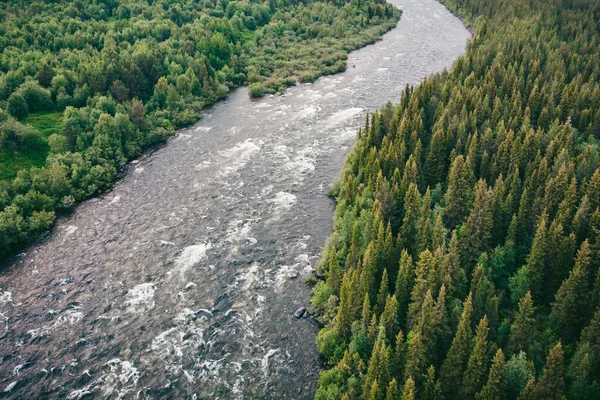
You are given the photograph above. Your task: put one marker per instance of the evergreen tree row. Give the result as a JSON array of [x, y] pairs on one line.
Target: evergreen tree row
[[465, 259]]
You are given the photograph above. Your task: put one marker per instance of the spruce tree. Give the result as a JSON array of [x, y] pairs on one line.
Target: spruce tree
[[458, 195], [432, 389], [536, 262], [522, 329], [408, 392], [334, 279], [474, 376], [573, 298], [393, 392], [551, 385], [455, 363], [383, 292], [494, 389], [404, 285], [477, 229]]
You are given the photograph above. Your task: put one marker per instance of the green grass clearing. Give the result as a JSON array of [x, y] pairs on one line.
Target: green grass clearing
[[11, 161]]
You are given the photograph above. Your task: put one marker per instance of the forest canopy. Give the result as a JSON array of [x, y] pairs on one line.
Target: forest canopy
[[465, 258], [86, 85]]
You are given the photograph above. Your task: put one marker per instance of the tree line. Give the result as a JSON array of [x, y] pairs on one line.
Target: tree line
[[465, 258], [126, 74]]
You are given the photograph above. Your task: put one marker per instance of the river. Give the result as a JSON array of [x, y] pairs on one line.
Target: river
[[177, 283]]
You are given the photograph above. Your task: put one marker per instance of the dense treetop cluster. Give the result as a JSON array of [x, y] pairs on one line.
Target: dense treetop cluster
[[465, 259], [125, 74]]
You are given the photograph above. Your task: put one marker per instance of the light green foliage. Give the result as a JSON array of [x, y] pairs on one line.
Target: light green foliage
[[125, 74]]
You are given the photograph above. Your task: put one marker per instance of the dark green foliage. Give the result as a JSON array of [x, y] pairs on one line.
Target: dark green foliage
[[489, 177], [126, 74]]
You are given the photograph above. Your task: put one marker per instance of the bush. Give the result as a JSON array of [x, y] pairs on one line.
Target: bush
[[17, 106], [331, 344], [256, 90]]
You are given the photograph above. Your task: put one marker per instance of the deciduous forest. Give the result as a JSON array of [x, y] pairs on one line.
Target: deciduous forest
[[86, 85], [465, 257]]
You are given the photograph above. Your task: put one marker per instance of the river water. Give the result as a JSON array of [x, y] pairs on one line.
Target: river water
[[177, 283]]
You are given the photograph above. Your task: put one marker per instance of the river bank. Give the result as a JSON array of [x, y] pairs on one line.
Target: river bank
[[174, 283]]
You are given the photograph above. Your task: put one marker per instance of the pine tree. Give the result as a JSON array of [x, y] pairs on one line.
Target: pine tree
[[366, 312], [551, 385], [374, 392], [334, 279], [393, 393], [426, 274], [452, 275], [399, 358], [494, 388], [523, 327], [432, 389], [482, 290], [404, 285], [476, 232], [474, 377], [583, 386], [379, 365], [590, 333], [536, 262], [416, 357], [408, 230], [425, 226], [389, 318], [347, 308], [573, 299], [408, 392], [383, 293], [458, 195], [455, 363], [528, 393]]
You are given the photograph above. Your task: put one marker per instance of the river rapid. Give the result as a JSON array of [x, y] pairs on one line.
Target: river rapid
[[178, 283]]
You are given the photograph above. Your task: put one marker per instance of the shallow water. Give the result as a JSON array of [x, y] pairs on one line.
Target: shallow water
[[173, 284]]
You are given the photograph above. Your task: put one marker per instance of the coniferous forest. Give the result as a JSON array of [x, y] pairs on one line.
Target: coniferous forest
[[86, 86], [465, 257]]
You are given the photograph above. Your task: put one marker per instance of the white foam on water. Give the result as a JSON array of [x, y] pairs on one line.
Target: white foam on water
[[114, 200], [122, 374], [203, 128], [303, 162], [266, 190], [139, 170], [203, 164], [10, 386], [237, 156], [281, 151], [5, 298], [250, 277], [183, 136], [238, 232], [184, 316], [281, 277], [265, 361], [189, 257], [283, 201], [340, 117], [69, 230], [140, 298], [65, 319], [306, 112]]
